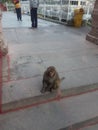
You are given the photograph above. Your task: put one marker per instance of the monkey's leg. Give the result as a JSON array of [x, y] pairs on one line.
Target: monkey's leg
[[49, 87], [56, 85]]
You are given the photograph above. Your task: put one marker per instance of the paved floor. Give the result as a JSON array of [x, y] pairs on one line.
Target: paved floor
[[56, 115], [10, 21], [30, 53]]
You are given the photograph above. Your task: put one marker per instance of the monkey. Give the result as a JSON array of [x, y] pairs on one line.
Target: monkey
[[51, 80]]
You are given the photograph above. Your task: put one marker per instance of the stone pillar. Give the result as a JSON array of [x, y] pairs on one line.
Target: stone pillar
[[3, 46], [92, 36]]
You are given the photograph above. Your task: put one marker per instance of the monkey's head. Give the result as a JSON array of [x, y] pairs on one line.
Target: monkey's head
[[51, 71]]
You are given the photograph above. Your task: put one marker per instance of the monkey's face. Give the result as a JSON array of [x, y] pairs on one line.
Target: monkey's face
[[51, 71]]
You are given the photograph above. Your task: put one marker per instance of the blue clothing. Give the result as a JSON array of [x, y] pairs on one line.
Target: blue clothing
[[33, 12], [34, 17]]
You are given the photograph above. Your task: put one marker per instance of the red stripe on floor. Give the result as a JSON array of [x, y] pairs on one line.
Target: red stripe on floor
[[32, 105], [0, 83], [8, 62], [57, 98], [9, 73], [88, 125]]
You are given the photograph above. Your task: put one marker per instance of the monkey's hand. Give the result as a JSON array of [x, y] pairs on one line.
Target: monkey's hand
[[43, 90]]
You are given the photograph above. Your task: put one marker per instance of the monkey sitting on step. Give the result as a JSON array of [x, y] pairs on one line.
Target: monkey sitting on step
[[51, 80]]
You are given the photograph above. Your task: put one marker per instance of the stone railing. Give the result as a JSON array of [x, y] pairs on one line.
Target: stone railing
[[3, 45], [92, 36]]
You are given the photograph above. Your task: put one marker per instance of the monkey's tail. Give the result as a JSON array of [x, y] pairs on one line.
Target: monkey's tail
[[62, 78]]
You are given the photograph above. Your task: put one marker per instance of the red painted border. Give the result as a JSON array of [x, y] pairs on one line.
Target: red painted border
[[9, 73], [87, 125], [32, 105], [57, 98], [8, 62], [0, 83]]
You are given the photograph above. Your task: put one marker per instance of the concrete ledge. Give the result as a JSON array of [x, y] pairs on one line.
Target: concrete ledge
[[92, 38], [46, 98], [83, 124]]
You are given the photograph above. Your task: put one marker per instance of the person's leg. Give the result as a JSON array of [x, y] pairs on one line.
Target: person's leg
[[17, 14], [32, 17], [20, 17], [35, 17]]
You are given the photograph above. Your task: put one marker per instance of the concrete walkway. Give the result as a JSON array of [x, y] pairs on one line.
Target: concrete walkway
[[74, 113], [31, 51]]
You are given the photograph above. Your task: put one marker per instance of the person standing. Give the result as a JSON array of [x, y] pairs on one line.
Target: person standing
[[33, 12], [18, 9]]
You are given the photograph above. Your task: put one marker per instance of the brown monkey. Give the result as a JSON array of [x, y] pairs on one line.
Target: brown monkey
[[51, 80]]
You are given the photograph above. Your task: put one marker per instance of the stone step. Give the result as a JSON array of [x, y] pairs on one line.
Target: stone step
[[74, 113], [31, 101], [84, 125], [91, 127]]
